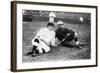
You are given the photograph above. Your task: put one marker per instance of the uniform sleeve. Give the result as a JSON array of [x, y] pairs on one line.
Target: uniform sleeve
[[56, 32], [53, 39], [69, 30]]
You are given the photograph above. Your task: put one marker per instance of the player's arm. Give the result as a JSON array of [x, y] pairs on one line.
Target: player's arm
[[69, 31], [53, 40], [57, 41]]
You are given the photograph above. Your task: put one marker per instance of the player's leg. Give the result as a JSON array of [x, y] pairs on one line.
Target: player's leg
[[46, 49], [34, 51], [67, 44], [43, 48], [68, 40], [77, 43]]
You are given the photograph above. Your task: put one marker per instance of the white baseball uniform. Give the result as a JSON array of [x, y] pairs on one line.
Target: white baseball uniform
[[51, 17], [46, 38]]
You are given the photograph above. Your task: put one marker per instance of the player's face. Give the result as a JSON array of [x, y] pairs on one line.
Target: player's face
[[62, 25], [50, 27]]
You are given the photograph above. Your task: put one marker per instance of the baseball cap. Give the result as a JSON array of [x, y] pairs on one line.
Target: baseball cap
[[60, 23]]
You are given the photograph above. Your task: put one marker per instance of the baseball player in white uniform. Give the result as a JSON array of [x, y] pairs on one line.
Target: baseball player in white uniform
[[51, 16], [43, 39]]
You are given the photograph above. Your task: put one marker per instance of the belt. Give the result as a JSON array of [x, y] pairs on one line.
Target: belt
[[44, 42]]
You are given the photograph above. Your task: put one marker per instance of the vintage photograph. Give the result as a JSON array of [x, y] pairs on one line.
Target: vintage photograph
[[56, 35], [52, 36]]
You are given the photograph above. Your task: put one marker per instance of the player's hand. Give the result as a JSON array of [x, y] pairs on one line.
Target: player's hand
[[68, 34]]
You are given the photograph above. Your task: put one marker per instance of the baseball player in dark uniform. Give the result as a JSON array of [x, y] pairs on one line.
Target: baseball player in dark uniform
[[66, 35]]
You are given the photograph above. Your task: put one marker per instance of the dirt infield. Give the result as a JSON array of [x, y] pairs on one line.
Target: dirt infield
[[60, 52]]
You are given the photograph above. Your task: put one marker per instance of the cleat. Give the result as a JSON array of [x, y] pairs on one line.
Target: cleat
[[34, 55], [29, 53]]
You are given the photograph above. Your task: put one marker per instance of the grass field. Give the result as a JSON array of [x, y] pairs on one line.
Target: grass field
[[60, 52]]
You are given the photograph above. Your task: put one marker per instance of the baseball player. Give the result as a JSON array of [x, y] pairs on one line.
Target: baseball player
[[66, 35], [43, 39], [51, 16]]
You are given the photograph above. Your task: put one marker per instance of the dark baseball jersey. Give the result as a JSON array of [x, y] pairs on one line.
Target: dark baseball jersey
[[65, 33]]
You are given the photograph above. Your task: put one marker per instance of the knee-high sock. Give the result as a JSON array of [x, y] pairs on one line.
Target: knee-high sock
[[33, 50], [76, 39]]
